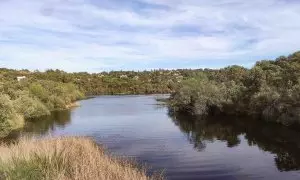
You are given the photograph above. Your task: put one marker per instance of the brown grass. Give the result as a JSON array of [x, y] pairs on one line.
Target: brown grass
[[64, 158], [73, 105]]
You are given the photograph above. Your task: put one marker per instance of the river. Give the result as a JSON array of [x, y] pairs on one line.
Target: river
[[183, 147]]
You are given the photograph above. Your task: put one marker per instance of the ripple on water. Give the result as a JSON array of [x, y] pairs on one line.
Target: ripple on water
[[184, 147]]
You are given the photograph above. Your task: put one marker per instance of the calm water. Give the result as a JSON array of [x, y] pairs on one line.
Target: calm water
[[184, 147]]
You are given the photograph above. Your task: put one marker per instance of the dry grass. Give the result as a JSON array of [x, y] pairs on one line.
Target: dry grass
[[64, 158]]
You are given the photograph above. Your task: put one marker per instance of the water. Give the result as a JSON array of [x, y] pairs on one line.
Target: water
[[184, 147]]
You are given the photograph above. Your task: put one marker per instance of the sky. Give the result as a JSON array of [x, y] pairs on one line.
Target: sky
[[105, 35]]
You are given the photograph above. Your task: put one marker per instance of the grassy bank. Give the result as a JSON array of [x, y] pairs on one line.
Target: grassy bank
[[64, 158]]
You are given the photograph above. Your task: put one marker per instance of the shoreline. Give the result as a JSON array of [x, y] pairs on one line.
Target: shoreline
[[48, 158], [73, 105]]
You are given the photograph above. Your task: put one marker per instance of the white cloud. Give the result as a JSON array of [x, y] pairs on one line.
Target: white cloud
[[88, 35]]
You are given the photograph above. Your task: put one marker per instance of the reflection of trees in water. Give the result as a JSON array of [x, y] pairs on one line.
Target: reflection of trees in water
[[276, 139], [47, 124], [42, 125], [200, 131]]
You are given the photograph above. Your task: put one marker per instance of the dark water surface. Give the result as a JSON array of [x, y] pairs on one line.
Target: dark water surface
[[184, 147]]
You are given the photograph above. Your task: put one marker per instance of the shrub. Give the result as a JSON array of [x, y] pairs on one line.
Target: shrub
[[30, 107], [9, 119], [55, 95], [270, 90], [37, 90], [201, 96], [55, 103]]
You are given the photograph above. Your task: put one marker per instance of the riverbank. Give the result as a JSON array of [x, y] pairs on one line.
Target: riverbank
[[269, 91], [31, 98], [64, 158], [73, 105]]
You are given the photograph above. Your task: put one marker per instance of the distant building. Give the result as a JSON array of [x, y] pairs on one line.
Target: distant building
[[123, 76], [19, 78], [136, 77]]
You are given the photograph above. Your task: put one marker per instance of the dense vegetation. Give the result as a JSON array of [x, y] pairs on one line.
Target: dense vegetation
[[41, 92], [270, 90], [49, 159], [31, 98], [116, 82]]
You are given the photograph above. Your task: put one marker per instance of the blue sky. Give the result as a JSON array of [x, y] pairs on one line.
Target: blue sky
[[97, 35]]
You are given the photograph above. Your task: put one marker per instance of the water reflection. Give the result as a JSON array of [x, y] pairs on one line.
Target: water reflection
[[139, 127], [46, 124], [281, 141], [42, 126]]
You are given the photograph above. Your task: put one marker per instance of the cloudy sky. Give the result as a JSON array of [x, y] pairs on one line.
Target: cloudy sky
[[97, 35]]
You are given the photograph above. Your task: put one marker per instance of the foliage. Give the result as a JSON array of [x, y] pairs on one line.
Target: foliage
[[9, 119], [201, 96], [55, 95], [30, 106], [31, 98], [269, 90]]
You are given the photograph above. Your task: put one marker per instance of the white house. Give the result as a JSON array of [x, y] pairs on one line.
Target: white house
[[123, 76], [19, 78], [136, 77]]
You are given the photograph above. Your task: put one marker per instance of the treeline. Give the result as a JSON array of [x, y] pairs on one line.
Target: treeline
[[25, 94], [118, 82], [114, 82], [270, 91], [29, 98]]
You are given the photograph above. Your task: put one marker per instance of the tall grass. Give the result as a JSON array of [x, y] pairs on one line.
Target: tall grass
[[64, 158]]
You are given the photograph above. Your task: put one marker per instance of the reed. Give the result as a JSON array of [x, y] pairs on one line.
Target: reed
[[65, 158]]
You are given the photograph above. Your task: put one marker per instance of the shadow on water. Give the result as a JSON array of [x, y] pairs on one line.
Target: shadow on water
[[279, 140], [42, 125], [142, 130]]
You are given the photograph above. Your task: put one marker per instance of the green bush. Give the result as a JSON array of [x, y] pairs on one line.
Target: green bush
[[30, 107], [55, 102], [55, 95], [32, 98], [202, 96], [9, 119], [270, 90], [197, 96], [37, 90]]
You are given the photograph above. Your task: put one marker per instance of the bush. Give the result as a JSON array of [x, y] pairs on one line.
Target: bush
[[270, 90], [201, 96], [37, 90], [30, 107], [33, 98], [56, 103], [9, 119], [55, 95]]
